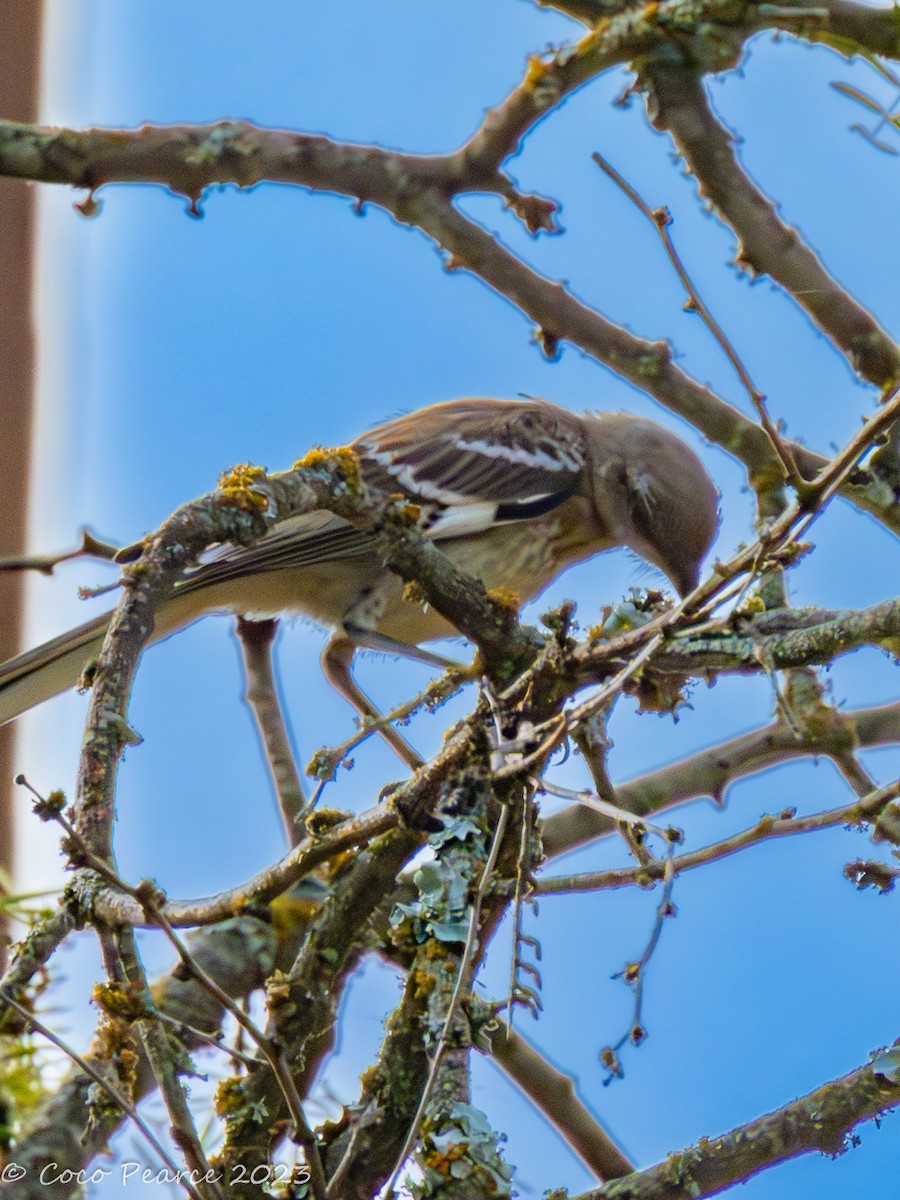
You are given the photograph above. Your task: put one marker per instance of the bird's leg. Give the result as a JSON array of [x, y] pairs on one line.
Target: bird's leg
[[337, 661], [368, 639]]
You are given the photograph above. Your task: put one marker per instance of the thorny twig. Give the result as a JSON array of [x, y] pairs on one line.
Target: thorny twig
[[635, 973]]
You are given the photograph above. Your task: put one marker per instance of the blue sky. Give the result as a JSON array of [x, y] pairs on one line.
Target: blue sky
[[174, 347]]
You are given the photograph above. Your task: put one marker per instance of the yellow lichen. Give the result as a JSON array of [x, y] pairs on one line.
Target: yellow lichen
[[413, 594], [278, 991], [237, 486], [750, 606], [318, 823], [423, 983], [229, 1097], [343, 458], [442, 1160], [124, 1002], [404, 516], [537, 69], [507, 599]]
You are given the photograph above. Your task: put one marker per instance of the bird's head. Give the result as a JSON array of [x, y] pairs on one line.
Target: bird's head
[[653, 494]]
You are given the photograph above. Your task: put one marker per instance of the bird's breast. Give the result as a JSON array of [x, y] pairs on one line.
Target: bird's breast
[[522, 557]]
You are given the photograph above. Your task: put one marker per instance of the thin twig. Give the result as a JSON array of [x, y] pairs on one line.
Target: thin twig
[[90, 547], [273, 1055], [161, 1056], [829, 479], [680, 105], [709, 772], [595, 802], [661, 219], [327, 759], [860, 812], [635, 974], [216, 1039]]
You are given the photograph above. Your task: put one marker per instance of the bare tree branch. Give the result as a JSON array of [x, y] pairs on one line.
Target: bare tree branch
[[711, 772], [678, 103], [417, 189], [556, 1096], [256, 639], [807, 637], [861, 812], [850, 27]]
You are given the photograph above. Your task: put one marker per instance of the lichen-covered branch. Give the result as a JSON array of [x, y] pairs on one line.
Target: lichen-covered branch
[[365, 1148], [820, 1121], [775, 640], [848, 27], [239, 513], [303, 1002], [71, 1131], [187, 159], [112, 907], [33, 952], [779, 640]]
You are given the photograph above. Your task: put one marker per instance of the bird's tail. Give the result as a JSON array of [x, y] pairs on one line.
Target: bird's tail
[[46, 671]]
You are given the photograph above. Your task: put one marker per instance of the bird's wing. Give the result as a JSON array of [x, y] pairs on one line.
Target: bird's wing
[[510, 453], [469, 463], [294, 542]]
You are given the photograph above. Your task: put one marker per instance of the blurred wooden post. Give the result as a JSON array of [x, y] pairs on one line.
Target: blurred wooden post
[[20, 58]]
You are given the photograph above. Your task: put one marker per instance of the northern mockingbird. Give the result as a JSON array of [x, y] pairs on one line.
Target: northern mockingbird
[[514, 491]]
